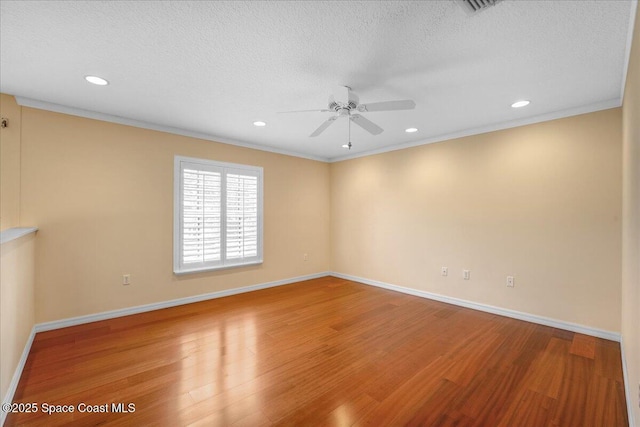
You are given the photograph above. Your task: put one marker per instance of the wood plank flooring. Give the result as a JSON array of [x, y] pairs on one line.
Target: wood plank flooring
[[322, 352]]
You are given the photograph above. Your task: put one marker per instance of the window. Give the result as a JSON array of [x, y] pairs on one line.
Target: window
[[217, 220]]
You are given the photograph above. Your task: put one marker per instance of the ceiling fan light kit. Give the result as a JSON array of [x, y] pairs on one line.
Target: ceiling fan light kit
[[345, 103]]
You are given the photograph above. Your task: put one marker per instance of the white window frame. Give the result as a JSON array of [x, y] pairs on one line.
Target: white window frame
[[180, 162]]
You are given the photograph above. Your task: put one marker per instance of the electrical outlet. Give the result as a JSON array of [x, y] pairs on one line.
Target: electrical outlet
[[510, 281], [126, 279], [306, 257], [466, 274], [445, 271]]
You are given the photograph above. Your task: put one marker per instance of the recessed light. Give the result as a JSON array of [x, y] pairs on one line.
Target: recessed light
[[259, 124], [411, 130], [345, 145], [519, 104], [96, 80]]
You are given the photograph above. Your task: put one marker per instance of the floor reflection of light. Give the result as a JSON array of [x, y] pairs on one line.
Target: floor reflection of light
[[221, 359], [342, 415], [250, 343]]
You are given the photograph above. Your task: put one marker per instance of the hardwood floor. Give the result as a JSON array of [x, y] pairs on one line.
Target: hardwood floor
[[322, 352]]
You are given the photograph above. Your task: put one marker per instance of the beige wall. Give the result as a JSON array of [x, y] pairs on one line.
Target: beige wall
[[539, 202], [17, 316], [17, 257], [101, 195], [9, 164], [631, 223]]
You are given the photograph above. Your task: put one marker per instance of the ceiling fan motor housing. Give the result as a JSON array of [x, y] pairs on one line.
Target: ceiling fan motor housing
[[349, 104]]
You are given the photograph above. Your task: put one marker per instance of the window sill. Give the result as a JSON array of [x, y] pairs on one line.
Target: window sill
[[15, 233], [222, 267]]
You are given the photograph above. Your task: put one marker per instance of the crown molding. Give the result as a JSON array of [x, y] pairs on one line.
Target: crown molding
[[43, 105], [591, 108], [627, 56], [88, 114]]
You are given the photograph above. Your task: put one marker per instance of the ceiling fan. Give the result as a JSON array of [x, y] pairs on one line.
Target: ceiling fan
[[346, 104]]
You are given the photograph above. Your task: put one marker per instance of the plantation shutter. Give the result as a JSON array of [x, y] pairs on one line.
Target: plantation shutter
[[241, 214], [202, 215], [217, 215]]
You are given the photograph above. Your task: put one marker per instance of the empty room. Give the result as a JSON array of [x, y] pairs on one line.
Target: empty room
[[332, 213]]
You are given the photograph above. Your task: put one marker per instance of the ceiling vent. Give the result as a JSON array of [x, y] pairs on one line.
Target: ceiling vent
[[474, 6]]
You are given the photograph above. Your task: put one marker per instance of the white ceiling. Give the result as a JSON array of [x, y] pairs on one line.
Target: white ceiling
[[210, 69]]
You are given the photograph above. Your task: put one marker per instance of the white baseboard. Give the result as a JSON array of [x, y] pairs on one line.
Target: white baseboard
[[13, 385], [628, 392], [73, 321], [613, 336], [574, 327], [63, 323]]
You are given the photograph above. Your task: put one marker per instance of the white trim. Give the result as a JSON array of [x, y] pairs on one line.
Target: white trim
[[73, 321], [47, 326], [533, 318], [223, 169], [627, 57], [15, 233], [574, 327], [187, 272], [57, 108], [591, 108], [13, 385], [628, 392]]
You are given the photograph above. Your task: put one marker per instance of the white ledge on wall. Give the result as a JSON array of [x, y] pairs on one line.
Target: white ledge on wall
[[15, 233]]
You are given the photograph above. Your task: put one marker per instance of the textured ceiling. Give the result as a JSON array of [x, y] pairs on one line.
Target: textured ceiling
[[213, 68]]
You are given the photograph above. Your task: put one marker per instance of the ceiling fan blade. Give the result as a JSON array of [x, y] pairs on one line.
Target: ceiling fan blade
[[366, 124], [323, 126], [305, 111], [406, 104]]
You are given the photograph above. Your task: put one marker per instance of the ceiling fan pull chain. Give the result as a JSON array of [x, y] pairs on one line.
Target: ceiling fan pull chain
[[349, 141]]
